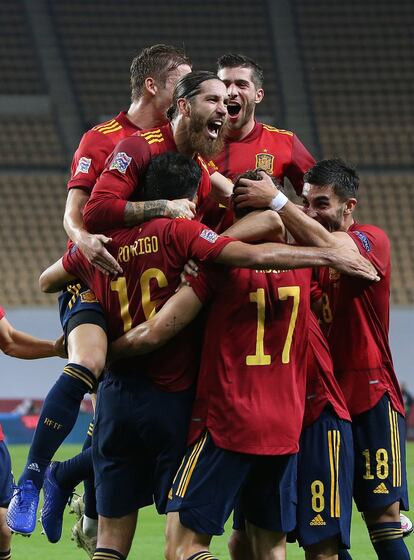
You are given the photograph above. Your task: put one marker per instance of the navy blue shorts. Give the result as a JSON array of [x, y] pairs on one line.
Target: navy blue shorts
[[78, 306], [379, 443], [211, 480], [138, 441], [6, 476], [325, 481]]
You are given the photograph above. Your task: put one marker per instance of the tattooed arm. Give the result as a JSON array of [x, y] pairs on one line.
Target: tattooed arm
[[176, 314], [138, 212]]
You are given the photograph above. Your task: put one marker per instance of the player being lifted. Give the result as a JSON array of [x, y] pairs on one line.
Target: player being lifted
[[154, 73]]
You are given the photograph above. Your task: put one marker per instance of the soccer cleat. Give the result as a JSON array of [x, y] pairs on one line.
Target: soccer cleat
[[55, 500], [21, 514], [83, 541], [406, 525], [77, 507]]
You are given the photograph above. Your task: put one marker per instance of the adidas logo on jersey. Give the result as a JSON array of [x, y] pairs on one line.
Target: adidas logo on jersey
[[34, 467], [317, 521], [381, 489]]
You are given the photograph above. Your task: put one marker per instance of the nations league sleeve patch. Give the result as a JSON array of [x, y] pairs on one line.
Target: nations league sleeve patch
[[83, 165], [364, 240], [121, 162], [208, 235]]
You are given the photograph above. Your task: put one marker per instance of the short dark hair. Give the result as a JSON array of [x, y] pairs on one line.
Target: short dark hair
[[334, 173], [171, 175], [232, 60], [189, 86], [155, 61], [253, 175]]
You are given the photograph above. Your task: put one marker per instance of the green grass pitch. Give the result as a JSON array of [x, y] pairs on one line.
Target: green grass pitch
[[148, 543]]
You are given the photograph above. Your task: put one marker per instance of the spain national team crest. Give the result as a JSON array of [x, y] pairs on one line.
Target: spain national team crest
[[88, 297], [265, 161]]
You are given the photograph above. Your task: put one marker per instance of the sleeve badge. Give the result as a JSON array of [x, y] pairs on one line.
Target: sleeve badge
[[121, 162], [209, 235], [83, 165]]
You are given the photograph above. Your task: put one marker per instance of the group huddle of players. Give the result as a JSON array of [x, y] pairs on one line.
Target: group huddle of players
[[259, 382]]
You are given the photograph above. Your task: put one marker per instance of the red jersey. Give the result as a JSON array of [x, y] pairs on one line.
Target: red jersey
[[355, 316], [279, 152], [251, 385], [321, 386], [123, 174], [152, 257], [95, 147]]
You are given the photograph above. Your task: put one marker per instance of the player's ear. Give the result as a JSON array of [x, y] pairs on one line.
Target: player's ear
[[150, 85], [184, 106], [350, 205], [259, 95]]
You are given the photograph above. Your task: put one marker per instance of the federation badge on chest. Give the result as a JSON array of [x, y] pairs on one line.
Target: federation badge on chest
[[265, 161]]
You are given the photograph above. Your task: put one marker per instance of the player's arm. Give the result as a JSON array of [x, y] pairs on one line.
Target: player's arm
[[138, 212], [285, 257], [54, 278], [19, 344], [301, 161], [262, 225], [109, 206], [176, 314], [304, 229], [91, 245], [221, 189]]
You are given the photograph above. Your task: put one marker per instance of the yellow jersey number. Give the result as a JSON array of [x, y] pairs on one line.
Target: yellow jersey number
[[259, 358]]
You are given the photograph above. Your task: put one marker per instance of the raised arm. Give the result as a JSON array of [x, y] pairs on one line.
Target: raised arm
[[19, 344], [176, 314]]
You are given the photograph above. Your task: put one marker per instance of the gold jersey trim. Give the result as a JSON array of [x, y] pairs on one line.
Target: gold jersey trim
[[274, 129]]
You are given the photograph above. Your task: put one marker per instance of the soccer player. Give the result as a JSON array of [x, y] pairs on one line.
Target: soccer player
[[154, 73], [362, 357], [17, 344], [250, 144], [157, 389]]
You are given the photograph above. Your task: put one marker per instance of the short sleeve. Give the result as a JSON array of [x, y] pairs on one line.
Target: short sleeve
[[373, 244]]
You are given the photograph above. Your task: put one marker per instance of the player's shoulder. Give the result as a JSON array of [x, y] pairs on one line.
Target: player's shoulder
[[274, 132], [370, 230], [156, 135], [108, 127], [370, 236]]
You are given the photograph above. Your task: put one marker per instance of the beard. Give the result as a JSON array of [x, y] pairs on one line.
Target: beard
[[333, 223], [207, 147]]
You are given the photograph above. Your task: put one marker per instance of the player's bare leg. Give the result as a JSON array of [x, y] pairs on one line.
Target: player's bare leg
[[239, 546], [183, 543], [5, 534], [384, 527], [266, 545], [87, 346], [116, 533], [325, 550]]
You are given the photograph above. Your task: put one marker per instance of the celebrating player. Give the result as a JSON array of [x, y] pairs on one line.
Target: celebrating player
[[154, 73], [355, 314]]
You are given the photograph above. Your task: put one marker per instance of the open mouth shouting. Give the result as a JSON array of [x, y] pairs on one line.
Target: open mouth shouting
[[213, 128], [233, 109]]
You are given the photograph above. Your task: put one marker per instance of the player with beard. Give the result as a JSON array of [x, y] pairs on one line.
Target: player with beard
[[152, 257], [250, 144], [355, 315], [154, 72], [198, 115]]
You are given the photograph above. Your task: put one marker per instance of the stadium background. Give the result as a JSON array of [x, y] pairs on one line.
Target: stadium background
[[340, 74]]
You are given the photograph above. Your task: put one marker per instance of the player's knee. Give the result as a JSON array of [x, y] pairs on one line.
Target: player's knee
[[94, 361], [388, 514], [169, 550]]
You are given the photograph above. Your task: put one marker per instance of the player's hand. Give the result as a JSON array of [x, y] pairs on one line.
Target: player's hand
[[59, 347], [180, 208], [93, 247], [191, 269], [350, 262], [255, 194]]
